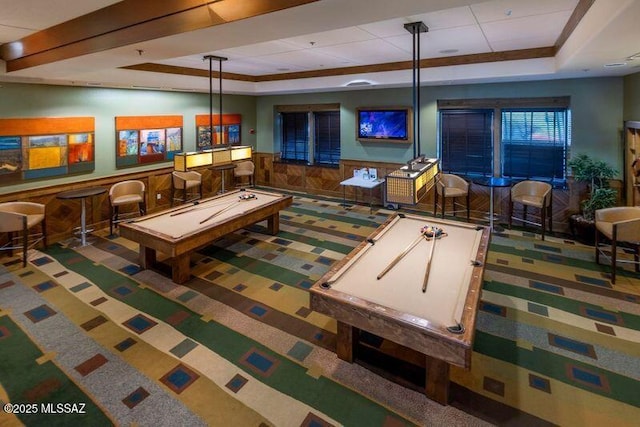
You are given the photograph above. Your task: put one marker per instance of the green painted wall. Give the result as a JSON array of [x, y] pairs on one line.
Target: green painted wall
[[632, 97], [596, 104], [597, 108], [24, 100]]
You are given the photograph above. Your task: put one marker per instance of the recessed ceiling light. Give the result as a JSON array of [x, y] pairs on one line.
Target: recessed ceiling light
[[353, 83], [448, 51], [615, 64]]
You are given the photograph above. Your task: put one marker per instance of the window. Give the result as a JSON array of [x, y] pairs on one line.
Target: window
[[327, 137], [467, 141], [534, 143], [312, 136], [295, 136], [525, 138]]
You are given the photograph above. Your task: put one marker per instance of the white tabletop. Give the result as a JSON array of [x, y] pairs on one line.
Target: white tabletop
[[359, 182]]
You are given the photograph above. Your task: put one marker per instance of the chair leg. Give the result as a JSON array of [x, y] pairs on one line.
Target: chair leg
[[468, 208], [613, 258], [543, 220], [43, 224], [116, 215], [597, 243], [10, 243], [25, 244], [110, 220], [510, 214]]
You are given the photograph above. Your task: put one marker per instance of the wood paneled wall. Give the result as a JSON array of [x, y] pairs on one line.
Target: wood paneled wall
[[326, 182], [64, 215]]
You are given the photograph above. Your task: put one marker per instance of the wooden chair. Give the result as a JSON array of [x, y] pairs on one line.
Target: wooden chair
[[619, 225], [244, 169], [532, 194], [125, 193], [450, 186], [20, 217], [190, 183]]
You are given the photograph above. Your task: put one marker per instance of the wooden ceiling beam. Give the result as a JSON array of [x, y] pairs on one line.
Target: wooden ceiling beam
[[129, 22], [512, 55]]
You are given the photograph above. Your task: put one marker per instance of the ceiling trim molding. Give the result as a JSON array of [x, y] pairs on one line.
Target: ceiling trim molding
[[129, 22], [512, 55]]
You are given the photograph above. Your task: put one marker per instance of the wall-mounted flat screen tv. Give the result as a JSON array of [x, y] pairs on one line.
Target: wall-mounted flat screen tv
[[384, 124]]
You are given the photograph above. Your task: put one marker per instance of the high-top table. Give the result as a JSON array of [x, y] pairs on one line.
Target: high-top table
[[82, 194], [492, 182], [362, 183]]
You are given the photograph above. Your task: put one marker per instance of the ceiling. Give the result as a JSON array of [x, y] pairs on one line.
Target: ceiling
[[289, 46]]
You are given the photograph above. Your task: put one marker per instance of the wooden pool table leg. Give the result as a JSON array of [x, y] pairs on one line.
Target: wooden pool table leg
[[437, 381], [347, 341], [273, 223], [181, 270], [147, 257]]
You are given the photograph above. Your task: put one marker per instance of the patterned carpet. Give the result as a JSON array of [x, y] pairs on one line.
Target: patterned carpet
[[237, 345]]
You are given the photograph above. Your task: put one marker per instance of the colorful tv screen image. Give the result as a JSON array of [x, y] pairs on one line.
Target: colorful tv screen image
[[383, 124]]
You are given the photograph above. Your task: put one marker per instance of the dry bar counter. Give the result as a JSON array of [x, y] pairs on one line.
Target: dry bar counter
[[438, 322], [179, 231]]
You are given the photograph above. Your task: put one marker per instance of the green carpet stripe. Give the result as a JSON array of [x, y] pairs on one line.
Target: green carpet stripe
[[262, 268], [630, 321], [21, 376], [324, 244], [290, 378], [540, 256], [569, 284], [348, 219], [555, 366]]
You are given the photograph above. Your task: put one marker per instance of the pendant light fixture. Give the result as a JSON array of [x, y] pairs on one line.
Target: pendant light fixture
[[415, 28], [220, 59]]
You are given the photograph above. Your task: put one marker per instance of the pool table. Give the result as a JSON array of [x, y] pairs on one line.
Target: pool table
[[179, 231], [433, 314]]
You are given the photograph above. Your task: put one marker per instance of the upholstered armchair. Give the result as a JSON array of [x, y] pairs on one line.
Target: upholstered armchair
[[619, 225], [188, 183], [244, 169], [20, 218], [532, 194], [450, 186], [125, 193]]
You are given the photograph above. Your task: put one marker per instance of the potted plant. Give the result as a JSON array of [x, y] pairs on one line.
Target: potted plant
[[596, 174]]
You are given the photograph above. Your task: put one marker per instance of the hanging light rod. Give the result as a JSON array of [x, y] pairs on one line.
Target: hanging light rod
[[416, 27], [215, 57], [220, 59]]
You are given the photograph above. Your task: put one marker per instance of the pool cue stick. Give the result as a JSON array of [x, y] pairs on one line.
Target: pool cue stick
[[150, 216], [402, 255], [232, 204], [197, 208], [426, 274], [352, 261]]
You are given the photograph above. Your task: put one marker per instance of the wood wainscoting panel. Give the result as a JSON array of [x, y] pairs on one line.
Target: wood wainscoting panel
[[323, 180]]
